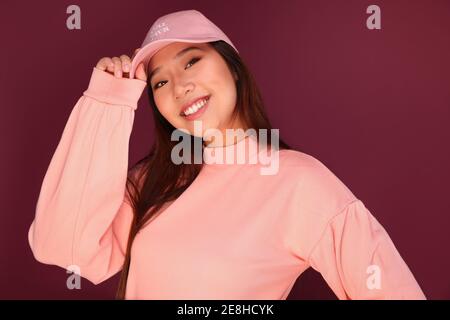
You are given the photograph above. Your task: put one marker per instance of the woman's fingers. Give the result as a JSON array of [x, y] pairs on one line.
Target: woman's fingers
[[126, 64], [121, 66], [105, 63], [117, 67], [110, 67], [140, 72]]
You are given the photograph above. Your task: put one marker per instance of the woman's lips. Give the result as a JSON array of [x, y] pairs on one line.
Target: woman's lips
[[192, 103], [199, 112]]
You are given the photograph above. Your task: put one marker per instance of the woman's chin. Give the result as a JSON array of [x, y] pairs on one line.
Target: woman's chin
[[201, 128]]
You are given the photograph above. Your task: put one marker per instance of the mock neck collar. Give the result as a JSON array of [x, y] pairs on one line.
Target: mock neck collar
[[244, 151]]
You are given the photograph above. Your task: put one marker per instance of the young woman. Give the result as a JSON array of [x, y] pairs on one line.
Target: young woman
[[208, 229]]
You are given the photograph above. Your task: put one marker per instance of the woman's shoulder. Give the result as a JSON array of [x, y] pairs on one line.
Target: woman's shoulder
[[292, 157], [296, 161], [313, 177]]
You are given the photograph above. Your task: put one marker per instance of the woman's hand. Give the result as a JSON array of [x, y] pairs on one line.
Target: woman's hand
[[121, 66]]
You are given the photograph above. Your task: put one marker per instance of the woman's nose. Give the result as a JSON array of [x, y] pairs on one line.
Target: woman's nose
[[182, 90]]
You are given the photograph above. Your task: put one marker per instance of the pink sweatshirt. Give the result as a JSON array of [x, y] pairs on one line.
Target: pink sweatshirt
[[233, 234]]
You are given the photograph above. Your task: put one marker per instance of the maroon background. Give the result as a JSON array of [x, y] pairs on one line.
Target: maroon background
[[372, 105]]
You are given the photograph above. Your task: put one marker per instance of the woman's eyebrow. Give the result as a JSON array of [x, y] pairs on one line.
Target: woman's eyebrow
[[177, 56]]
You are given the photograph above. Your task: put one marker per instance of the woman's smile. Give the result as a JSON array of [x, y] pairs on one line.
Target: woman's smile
[[196, 110]]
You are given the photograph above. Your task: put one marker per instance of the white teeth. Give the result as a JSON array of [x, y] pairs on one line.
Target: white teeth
[[195, 107]]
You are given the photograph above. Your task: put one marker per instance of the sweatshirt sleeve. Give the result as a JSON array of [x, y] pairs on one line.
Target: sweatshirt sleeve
[[82, 217], [358, 259], [332, 231]]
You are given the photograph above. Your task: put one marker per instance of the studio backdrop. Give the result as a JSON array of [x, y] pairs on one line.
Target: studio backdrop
[[363, 86]]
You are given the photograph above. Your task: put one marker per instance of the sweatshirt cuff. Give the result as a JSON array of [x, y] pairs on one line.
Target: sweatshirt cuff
[[105, 87]]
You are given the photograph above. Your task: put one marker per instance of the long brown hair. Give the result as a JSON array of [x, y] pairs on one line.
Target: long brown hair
[[155, 179]]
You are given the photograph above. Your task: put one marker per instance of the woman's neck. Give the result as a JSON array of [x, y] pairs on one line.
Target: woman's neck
[[236, 133]]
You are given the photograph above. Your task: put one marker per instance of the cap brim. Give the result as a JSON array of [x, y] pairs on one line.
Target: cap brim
[[148, 51]]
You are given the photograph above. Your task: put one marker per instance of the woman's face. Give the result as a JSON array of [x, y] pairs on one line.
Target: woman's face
[[195, 73]]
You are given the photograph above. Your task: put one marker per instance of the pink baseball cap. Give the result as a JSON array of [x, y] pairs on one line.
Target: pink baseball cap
[[181, 26]]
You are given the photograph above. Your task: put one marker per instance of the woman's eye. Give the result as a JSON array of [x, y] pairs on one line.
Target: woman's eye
[[156, 85], [192, 61]]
